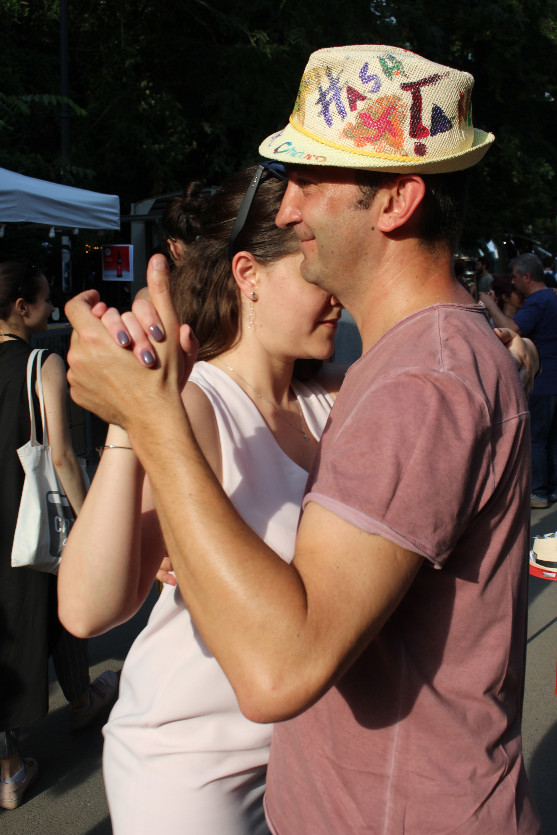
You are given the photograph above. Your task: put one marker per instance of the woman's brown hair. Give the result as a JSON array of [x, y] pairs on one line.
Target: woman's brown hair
[[204, 289]]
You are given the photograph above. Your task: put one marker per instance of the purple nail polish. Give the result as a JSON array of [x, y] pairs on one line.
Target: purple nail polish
[[147, 358], [156, 333], [123, 338]]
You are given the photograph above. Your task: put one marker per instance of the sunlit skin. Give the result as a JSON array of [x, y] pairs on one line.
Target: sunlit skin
[[293, 318], [323, 205]]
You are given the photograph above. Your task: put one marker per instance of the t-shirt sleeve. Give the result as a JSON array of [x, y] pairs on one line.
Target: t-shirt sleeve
[[411, 462]]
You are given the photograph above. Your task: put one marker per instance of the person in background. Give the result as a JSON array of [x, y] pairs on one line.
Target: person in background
[[537, 319], [180, 220], [484, 279], [258, 400], [31, 631], [506, 296], [180, 224]]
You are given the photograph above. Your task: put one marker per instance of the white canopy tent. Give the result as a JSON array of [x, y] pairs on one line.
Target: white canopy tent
[[28, 200]]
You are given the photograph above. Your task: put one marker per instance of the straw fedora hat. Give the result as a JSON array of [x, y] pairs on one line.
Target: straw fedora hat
[[380, 108]]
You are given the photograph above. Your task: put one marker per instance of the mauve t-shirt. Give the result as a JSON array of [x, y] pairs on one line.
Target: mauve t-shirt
[[427, 446]]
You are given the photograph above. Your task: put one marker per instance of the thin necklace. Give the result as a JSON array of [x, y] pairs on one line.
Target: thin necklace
[[273, 406]]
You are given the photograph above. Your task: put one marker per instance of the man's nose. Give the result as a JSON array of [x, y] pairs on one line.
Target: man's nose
[[289, 213]]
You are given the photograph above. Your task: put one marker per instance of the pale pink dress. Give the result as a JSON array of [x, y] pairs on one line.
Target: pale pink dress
[[179, 756]]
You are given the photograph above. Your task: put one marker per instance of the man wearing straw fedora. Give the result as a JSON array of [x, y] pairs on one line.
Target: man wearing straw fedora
[[391, 652]]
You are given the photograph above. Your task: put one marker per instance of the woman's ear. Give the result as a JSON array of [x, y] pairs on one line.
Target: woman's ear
[[404, 197], [21, 307], [246, 273]]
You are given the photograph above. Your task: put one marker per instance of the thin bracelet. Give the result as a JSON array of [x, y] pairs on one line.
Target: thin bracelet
[[101, 449]]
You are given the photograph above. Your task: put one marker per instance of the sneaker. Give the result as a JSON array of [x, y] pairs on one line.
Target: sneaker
[[101, 693], [538, 501], [553, 498], [11, 794]]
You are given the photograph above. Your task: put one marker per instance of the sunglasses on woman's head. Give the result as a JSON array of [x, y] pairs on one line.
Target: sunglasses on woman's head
[[262, 173]]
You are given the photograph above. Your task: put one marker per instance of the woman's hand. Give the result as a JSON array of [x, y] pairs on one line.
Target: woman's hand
[[524, 354], [126, 330], [164, 574]]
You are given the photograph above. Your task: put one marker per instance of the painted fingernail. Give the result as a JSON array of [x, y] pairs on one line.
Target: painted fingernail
[[123, 338], [156, 333], [147, 358]]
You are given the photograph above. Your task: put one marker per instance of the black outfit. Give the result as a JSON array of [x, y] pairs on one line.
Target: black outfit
[[29, 627]]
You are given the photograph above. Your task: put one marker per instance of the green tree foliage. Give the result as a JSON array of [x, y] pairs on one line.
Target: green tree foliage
[[510, 47], [164, 92], [178, 89]]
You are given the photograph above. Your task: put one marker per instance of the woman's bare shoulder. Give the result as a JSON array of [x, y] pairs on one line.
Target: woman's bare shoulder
[[54, 364], [204, 425], [53, 374]]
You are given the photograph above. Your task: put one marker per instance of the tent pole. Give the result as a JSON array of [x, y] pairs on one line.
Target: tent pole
[[64, 89]]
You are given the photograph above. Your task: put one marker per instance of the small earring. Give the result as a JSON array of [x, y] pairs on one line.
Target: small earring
[[251, 315]]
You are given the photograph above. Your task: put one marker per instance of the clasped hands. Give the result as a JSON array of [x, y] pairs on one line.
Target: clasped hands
[[118, 385]]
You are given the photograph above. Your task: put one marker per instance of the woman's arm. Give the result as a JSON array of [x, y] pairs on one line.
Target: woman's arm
[[104, 577], [63, 456], [116, 547]]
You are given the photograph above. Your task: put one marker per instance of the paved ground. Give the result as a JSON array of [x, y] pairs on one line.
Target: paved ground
[[68, 798], [540, 701]]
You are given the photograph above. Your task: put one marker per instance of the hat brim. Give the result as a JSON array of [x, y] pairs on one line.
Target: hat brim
[[544, 572], [292, 146]]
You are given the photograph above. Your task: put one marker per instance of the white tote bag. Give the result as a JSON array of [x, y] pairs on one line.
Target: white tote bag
[[45, 515]]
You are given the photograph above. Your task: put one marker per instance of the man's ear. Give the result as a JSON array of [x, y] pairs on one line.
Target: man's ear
[[402, 199], [246, 273]]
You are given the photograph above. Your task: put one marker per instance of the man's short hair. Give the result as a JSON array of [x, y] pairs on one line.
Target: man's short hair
[[440, 217], [529, 263]]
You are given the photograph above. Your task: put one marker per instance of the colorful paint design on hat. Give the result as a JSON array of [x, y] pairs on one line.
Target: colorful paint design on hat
[[293, 154], [376, 117]]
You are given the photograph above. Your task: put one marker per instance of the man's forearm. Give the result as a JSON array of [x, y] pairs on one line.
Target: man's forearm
[[248, 604], [499, 318]]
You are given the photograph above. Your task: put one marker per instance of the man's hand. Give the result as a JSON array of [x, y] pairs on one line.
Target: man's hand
[[488, 299], [120, 385], [525, 355]]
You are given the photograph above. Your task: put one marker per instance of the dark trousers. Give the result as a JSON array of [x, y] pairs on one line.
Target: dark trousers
[[543, 428], [70, 655]]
